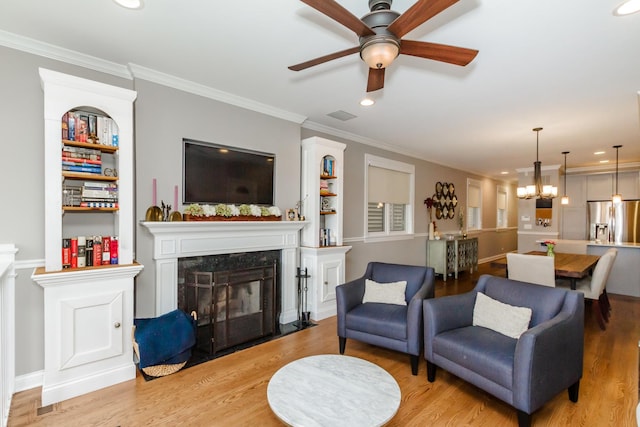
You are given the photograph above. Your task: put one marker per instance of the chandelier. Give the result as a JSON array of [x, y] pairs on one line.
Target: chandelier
[[537, 190]]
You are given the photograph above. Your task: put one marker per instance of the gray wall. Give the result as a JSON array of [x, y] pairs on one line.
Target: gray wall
[[163, 116], [492, 242]]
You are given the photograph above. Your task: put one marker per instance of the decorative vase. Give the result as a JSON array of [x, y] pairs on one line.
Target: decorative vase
[[550, 250], [431, 231]]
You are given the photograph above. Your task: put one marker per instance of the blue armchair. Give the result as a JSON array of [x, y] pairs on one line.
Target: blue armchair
[[392, 326], [525, 372]]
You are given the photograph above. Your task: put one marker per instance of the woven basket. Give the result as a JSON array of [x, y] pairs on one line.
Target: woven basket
[[156, 370]]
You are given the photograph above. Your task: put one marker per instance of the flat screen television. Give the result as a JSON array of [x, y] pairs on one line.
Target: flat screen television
[[219, 174]]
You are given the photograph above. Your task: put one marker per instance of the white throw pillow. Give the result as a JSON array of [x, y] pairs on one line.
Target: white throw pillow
[[506, 319], [388, 293]]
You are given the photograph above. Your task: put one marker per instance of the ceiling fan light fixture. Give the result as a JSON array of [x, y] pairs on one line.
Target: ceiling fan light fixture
[[627, 8], [130, 4], [379, 52]]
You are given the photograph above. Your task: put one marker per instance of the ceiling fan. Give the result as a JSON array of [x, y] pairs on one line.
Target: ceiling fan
[[381, 32]]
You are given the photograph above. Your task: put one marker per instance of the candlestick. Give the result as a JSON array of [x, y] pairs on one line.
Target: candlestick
[[155, 200], [175, 198]]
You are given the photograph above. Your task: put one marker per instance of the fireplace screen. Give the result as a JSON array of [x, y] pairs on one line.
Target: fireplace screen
[[234, 307]]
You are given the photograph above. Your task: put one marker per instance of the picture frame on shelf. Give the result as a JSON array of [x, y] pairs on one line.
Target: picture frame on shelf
[[291, 214]]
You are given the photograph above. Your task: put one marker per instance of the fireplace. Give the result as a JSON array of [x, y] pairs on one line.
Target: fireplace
[[173, 241], [233, 295]]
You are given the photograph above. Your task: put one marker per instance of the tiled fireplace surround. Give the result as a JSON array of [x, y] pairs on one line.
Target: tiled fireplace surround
[[175, 240]]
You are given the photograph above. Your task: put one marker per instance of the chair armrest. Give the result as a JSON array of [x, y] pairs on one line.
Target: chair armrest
[[348, 295], [446, 313], [415, 332], [549, 357]]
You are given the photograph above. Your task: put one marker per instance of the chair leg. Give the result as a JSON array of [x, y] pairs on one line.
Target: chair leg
[[606, 297], [603, 307], [343, 342], [431, 371], [524, 419], [414, 364], [573, 390], [598, 314]]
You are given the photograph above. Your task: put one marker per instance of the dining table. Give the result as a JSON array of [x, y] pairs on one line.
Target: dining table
[[570, 266]]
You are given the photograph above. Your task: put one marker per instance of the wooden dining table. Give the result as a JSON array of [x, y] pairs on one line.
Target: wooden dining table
[[570, 266]]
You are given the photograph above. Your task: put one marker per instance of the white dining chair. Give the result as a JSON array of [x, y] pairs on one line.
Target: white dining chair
[[536, 269], [594, 287]]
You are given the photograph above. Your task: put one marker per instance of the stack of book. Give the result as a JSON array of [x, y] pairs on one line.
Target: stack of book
[[78, 159], [89, 251], [90, 194], [88, 127]]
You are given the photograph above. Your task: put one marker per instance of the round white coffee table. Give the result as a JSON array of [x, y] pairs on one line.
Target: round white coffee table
[[330, 390]]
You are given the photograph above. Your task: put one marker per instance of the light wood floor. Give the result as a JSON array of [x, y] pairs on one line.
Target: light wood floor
[[231, 391]]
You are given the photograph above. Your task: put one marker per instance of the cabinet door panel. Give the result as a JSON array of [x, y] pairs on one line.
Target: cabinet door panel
[[91, 329], [332, 276]]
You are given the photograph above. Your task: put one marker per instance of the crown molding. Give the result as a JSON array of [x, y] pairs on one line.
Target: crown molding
[[633, 166], [57, 53], [144, 73], [132, 71]]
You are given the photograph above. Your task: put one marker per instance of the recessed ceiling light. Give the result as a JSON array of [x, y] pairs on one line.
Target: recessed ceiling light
[[367, 102], [130, 4], [504, 173], [627, 8], [597, 153], [604, 161]]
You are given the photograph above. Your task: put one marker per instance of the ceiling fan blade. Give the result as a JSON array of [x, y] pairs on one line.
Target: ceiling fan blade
[[376, 79], [420, 12], [338, 13], [438, 52], [325, 58]]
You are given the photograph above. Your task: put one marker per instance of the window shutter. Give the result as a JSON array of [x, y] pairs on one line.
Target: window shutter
[[388, 186]]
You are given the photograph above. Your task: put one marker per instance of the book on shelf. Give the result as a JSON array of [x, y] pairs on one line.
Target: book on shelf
[[82, 255], [66, 253], [79, 161], [99, 204], [97, 250], [85, 168], [325, 237], [87, 251], [83, 126], [327, 166], [74, 252]]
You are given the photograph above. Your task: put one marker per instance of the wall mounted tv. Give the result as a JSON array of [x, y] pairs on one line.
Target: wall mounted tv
[[219, 174]]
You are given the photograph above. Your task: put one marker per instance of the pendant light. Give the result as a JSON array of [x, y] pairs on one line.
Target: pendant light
[[617, 197], [565, 198], [537, 190]]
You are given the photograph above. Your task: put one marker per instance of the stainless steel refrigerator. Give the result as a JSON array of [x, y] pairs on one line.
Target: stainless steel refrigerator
[[619, 223]]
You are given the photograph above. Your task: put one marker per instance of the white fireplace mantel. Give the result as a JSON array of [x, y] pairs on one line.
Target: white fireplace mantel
[[174, 240]]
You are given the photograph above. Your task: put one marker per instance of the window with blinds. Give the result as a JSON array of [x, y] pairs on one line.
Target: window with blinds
[[501, 207], [389, 195], [474, 204]]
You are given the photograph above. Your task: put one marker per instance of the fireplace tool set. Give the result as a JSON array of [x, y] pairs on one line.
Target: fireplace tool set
[[304, 318]]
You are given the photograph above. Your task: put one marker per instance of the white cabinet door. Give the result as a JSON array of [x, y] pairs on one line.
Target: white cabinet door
[[331, 275], [599, 187], [577, 190], [91, 328], [629, 185]]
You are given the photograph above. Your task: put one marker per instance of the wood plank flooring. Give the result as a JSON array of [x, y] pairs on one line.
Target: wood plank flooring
[[231, 391]]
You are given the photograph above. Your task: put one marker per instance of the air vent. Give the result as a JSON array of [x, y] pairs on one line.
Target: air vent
[[342, 115]]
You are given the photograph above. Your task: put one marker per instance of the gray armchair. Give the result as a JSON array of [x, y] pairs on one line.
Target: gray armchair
[[525, 372], [391, 326]]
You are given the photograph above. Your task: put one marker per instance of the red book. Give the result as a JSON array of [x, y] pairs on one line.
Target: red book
[[106, 252], [66, 253], [113, 245], [74, 252], [97, 250]]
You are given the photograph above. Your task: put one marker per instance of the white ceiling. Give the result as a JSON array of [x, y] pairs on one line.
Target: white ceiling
[[569, 66]]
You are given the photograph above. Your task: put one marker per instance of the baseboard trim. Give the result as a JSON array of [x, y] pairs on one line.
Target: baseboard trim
[[29, 381]]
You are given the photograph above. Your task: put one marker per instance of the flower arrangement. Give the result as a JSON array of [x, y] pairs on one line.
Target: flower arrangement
[[461, 218], [429, 204], [223, 211], [550, 245]]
